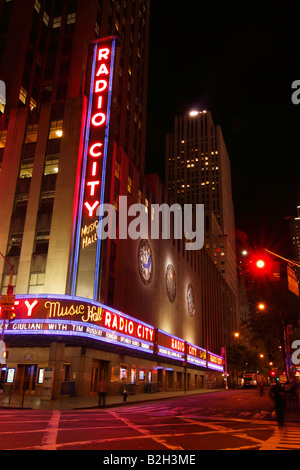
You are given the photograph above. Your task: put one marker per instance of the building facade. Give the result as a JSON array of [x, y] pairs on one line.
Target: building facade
[[198, 171], [142, 312]]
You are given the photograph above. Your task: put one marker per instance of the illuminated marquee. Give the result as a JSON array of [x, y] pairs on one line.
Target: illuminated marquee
[[195, 355], [74, 316], [87, 248], [170, 346], [215, 362]]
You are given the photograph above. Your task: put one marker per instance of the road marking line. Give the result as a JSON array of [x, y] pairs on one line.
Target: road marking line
[[147, 433], [50, 436]]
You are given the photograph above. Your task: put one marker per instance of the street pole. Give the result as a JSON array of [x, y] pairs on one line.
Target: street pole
[[225, 350], [9, 284]]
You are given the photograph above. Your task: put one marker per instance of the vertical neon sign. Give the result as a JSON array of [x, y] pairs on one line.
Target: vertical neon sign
[[86, 259]]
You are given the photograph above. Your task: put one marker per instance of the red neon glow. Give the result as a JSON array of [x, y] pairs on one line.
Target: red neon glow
[[103, 53], [215, 359], [102, 70], [100, 86], [98, 121], [91, 208], [94, 170], [92, 151], [100, 99], [119, 323], [92, 184], [192, 351], [177, 345], [30, 307]]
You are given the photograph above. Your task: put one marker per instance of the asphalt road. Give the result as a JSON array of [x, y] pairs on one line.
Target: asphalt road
[[228, 420]]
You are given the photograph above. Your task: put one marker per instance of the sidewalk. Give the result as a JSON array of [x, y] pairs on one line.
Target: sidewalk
[[72, 403], [84, 403]]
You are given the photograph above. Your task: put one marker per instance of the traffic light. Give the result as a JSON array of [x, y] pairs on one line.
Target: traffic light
[[260, 264], [11, 314]]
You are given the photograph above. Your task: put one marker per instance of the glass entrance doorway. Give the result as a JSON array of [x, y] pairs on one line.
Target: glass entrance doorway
[[26, 377]]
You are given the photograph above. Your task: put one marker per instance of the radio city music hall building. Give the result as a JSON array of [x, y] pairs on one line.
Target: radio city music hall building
[[142, 312]]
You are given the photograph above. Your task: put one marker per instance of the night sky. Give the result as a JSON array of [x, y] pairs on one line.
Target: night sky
[[239, 63]]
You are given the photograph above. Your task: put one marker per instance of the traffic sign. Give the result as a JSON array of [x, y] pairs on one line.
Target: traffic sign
[[7, 301]]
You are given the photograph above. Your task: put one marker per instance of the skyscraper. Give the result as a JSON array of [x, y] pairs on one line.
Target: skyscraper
[[198, 171], [295, 232]]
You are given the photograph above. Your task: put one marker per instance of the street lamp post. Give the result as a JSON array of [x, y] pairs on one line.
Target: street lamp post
[[236, 335]]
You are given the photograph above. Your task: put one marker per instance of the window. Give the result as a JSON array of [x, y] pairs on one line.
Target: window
[[51, 165], [123, 371], [3, 135], [56, 22], [56, 129], [23, 95], [37, 6], [129, 185], [117, 170], [26, 168], [46, 18], [31, 134], [71, 18]]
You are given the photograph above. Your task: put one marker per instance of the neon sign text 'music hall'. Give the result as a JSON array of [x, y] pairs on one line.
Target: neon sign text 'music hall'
[[99, 75]]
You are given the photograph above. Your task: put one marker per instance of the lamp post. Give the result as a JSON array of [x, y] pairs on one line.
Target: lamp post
[[236, 335], [261, 306]]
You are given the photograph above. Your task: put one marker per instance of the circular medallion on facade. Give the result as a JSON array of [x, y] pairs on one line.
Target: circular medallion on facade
[[145, 261], [190, 300], [171, 282]]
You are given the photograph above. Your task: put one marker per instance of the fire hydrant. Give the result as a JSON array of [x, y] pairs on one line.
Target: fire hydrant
[[125, 394]]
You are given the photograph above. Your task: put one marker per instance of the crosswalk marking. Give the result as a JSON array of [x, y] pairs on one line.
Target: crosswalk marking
[[286, 438], [290, 439]]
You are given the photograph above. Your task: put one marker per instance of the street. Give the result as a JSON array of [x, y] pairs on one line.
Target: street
[[226, 420]]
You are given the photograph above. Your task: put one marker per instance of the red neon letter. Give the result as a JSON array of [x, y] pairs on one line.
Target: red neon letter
[[103, 53], [99, 102], [92, 184], [91, 208], [92, 151], [100, 85], [102, 70], [95, 121], [107, 319], [30, 307], [94, 170]]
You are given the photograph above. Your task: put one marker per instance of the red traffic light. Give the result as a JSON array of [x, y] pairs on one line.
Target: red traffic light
[[260, 264]]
